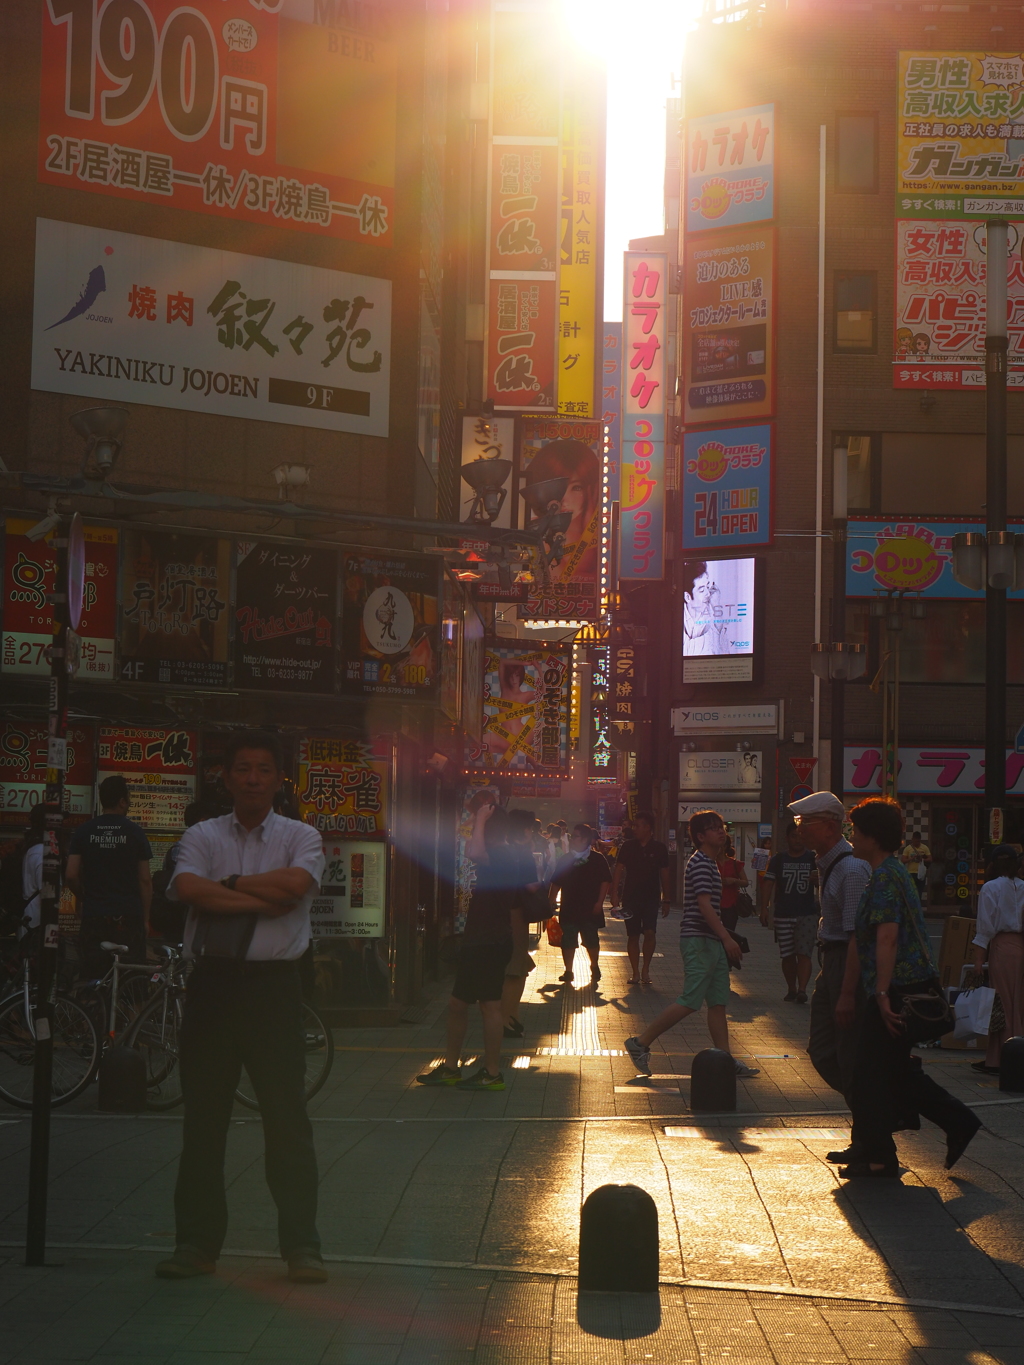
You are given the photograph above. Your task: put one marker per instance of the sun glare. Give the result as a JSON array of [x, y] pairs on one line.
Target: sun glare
[[642, 48]]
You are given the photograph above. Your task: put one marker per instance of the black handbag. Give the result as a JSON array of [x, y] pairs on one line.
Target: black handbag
[[223, 936], [744, 906], [926, 1013]]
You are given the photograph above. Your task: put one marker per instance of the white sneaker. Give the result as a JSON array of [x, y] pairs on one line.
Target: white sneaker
[[744, 1071]]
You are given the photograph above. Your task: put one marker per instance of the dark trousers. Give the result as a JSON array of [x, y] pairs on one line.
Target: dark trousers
[[833, 1050], [96, 929], [888, 1081], [244, 1014]]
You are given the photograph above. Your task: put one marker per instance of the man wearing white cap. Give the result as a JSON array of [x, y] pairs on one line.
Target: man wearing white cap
[[832, 1046]]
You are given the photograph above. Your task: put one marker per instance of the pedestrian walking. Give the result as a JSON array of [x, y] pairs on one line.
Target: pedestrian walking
[[640, 883], [841, 882], [584, 879], [484, 955], [21, 882], [790, 879], [706, 946], [526, 907], [734, 880], [249, 879], [895, 962], [108, 870], [999, 941], [916, 857]]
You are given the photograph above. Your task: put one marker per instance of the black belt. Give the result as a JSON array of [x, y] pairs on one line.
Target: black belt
[[831, 943]]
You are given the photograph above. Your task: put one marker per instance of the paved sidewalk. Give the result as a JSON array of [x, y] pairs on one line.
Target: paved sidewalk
[[497, 1180]]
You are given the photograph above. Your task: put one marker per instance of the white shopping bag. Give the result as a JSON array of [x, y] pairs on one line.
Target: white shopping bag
[[973, 1012]]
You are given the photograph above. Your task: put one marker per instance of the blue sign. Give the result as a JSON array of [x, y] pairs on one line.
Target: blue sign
[[903, 554], [727, 489]]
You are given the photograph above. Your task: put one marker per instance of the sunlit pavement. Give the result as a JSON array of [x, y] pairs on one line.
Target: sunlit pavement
[[451, 1220]]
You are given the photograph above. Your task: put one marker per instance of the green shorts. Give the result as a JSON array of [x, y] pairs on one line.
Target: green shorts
[[706, 972]]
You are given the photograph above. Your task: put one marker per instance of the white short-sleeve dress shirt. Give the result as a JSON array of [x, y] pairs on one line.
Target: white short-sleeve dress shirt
[[222, 847]]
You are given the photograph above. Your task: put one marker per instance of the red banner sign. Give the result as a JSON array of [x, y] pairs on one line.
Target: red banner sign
[[225, 107], [521, 343]]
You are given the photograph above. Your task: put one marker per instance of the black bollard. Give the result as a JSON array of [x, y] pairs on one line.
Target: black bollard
[[1011, 1066], [713, 1082], [619, 1241], [122, 1081]]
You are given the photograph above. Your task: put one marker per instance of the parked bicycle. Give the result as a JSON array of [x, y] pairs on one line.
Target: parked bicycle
[[76, 1045]]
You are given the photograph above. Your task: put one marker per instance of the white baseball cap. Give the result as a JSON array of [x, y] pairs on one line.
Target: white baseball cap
[[819, 803]]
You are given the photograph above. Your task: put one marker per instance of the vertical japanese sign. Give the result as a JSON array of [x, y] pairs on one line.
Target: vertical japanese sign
[[174, 609], [727, 488], [555, 448], [526, 711], [522, 304], [389, 625], [227, 107], [143, 320], [611, 404], [642, 478], [159, 767], [30, 569], [343, 786], [626, 693], [939, 340], [489, 438], [601, 765], [23, 764], [729, 340], [730, 168], [581, 257], [960, 134], [284, 617], [453, 613]]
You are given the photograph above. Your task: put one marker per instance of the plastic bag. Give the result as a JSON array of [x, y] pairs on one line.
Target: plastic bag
[[973, 1012], [554, 931]]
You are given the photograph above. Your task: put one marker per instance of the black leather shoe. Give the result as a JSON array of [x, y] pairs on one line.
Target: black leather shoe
[[957, 1140], [848, 1154], [857, 1169]]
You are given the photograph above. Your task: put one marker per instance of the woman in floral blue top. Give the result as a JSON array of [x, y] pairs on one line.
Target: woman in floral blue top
[[891, 943]]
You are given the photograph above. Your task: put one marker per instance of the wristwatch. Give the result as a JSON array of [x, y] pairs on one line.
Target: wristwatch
[[230, 882]]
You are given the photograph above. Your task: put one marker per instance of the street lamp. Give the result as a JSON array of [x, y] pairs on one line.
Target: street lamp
[[103, 432], [839, 663], [487, 480]]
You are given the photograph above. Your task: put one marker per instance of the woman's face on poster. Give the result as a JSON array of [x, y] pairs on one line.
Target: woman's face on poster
[[575, 500]]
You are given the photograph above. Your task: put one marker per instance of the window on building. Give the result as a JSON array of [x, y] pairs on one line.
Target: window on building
[[861, 494], [854, 302], [857, 153], [943, 474], [946, 646]]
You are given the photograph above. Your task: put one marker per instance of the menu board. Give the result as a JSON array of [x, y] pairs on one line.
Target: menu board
[[390, 625], [30, 572], [351, 900], [284, 617], [23, 750], [174, 609], [159, 767], [342, 787]]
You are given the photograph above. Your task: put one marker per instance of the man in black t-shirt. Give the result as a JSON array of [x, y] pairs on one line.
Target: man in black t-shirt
[[108, 869], [584, 879], [791, 878], [639, 884]]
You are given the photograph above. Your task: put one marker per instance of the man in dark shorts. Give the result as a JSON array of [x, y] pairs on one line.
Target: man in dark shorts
[[584, 878], [108, 869], [642, 865], [485, 952], [791, 878]]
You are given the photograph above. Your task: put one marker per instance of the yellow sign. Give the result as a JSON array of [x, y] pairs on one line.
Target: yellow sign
[[581, 239], [959, 136]]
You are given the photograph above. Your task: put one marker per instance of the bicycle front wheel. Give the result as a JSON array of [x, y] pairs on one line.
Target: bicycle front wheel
[[319, 1042], [155, 1033], [76, 1052]]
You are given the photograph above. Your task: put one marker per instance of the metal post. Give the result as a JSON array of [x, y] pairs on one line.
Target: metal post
[[840, 500], [995, 514], [46, 968]]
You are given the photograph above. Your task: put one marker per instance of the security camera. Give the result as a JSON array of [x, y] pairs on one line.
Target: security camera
[[43, 528], [103, 431]]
